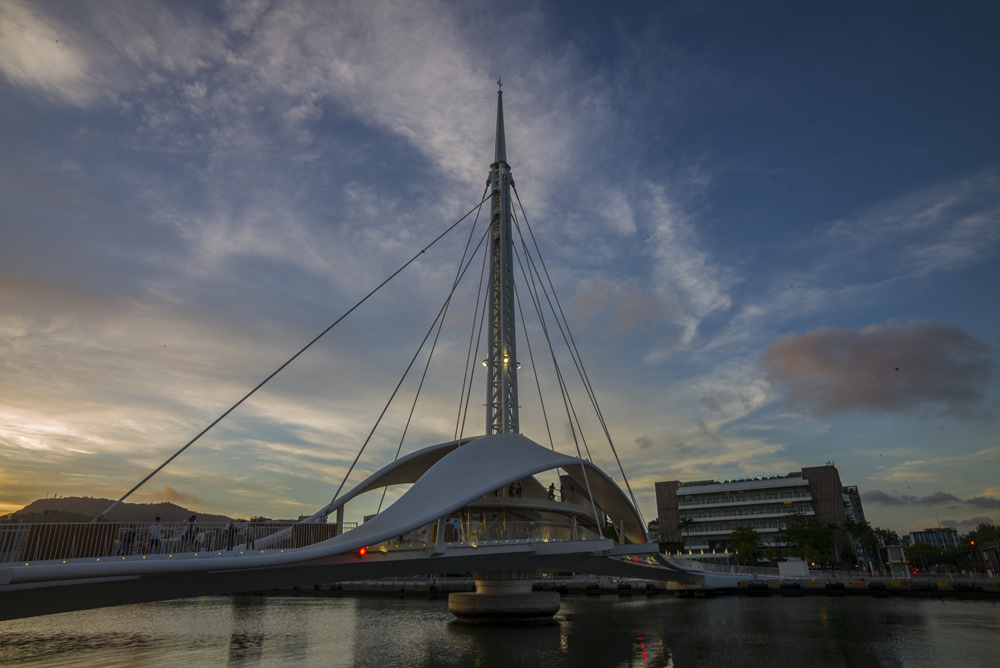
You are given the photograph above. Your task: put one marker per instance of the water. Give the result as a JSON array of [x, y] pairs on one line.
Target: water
[[588, 631]]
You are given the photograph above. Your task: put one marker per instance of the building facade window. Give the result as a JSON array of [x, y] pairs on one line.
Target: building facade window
[[701, 515]]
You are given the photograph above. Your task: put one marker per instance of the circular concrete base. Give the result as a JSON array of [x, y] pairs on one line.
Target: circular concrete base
[[526, 608]]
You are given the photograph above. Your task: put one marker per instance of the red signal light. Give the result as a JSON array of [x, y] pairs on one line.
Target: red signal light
[[362, 552]]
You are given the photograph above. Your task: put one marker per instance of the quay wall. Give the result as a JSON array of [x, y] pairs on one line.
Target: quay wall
[[840, 584]]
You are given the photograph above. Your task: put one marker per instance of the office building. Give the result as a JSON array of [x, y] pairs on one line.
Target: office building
[[701, 515], [942, 538]]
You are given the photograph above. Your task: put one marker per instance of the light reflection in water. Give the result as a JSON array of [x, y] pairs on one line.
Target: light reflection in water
[[589, 631]]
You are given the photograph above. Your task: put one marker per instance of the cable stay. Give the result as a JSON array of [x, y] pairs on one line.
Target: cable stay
[[540, 294], [533, 289], [567, 404], [534, 373], [471, 356], [438, 318], [430, 356], [576, 356], [289, 361]]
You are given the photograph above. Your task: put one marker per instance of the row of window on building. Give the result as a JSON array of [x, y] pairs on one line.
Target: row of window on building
[[702, 515]]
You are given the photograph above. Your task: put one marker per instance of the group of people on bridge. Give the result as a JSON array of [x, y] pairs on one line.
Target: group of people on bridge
[[515, 491], [159, 539]]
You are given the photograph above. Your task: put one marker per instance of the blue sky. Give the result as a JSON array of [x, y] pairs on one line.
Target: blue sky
[[773, 227]]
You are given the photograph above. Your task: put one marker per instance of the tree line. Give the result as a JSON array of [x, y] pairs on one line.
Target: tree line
[[815, 541]]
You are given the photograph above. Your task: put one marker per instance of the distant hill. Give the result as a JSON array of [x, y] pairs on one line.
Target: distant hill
[[86, 508]]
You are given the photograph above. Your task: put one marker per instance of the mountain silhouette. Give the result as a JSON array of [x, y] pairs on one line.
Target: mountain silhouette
[[86, 508]]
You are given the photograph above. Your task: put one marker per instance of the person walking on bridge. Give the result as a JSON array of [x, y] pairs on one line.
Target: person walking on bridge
[[190, 531], [155, 529]]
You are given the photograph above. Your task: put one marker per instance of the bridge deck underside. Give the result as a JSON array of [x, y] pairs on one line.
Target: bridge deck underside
[[40, 598]]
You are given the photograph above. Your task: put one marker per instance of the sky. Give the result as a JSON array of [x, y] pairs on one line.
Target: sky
[[774, 229]]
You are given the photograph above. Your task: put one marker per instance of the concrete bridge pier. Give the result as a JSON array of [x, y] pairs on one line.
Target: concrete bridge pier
[[504, 597]]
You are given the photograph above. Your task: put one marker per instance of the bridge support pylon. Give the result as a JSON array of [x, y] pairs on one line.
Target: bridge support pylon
[[504, 597]]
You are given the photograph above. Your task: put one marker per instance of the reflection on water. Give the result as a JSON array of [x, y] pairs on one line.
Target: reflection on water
[[589, 631], [246, 642]]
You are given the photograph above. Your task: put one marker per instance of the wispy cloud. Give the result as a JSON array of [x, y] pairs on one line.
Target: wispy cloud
[[684, 272], [886, 249], [91, 55], [936, 499], [943, 228]]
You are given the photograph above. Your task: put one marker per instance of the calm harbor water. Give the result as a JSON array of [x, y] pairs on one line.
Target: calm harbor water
[[589, 631]]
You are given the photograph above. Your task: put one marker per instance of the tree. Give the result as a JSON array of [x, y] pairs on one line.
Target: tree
[[871, 540], [807, 537], [684, 526], [855, 549], [863, 543], [886, 537], [849, 556], [984, 531], [925, 556], [747, 544]]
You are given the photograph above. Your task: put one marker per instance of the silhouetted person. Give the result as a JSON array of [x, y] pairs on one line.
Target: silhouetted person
[[189, 533], [128, 536], [155, 529]]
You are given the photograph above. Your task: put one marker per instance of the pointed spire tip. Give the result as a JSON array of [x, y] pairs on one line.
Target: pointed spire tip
[[500, 154]]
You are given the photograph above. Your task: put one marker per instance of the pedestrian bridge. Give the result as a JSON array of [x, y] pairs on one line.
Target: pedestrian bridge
[[458, 516], [108, 577], [472, 505]]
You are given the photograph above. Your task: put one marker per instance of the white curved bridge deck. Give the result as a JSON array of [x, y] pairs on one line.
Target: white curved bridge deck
[[421, 533], [43, 587]]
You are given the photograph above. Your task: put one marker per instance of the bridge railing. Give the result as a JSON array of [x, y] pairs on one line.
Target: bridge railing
[[477, 533], [28, 543], [41, 542], [537, 531]]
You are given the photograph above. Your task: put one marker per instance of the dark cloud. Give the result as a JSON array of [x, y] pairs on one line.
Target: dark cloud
[[976, 521], [983, 502], [644, 442], [919, 367], [617, 311], [937, 498], [709, 433], [879, 497]]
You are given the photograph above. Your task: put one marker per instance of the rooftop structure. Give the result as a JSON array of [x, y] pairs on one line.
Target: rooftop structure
[[940, 537]]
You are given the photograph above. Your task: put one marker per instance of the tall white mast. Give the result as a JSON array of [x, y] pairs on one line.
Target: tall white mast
[[501, 364]]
